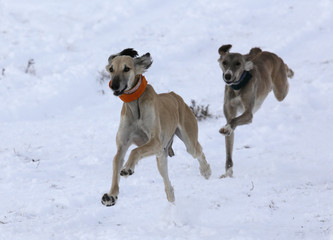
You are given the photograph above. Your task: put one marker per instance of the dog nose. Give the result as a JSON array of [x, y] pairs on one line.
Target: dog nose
[[114, 84], [227, 76]]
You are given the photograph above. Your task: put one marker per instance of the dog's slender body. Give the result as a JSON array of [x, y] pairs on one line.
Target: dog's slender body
[[249, 79], [150, 122]]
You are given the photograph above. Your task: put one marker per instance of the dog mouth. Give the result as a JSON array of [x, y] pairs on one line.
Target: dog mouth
[[119, 92], [230, 81], [115, 86]]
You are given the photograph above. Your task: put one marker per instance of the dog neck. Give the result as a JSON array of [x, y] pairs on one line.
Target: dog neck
[[135, 92], [243, 80]]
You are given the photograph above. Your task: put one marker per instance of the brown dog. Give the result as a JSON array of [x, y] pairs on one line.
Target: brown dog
[[150, 121], [249, 79]]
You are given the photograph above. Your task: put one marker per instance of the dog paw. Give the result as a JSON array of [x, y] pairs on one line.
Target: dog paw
[[206, 171], [126, 172], [109, 200], [226, 130], [170, 194], [228, 173]]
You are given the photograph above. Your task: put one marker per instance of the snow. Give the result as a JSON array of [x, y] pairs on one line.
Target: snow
[[58, 129]]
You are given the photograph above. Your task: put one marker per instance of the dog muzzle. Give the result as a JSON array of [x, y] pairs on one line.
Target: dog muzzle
[[135, 92]]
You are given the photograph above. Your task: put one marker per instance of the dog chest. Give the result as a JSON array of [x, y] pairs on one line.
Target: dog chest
[[139, 137], [236, 102]]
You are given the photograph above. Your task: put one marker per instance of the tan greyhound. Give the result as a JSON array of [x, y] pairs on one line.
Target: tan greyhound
[[150, 121], [249, 79]]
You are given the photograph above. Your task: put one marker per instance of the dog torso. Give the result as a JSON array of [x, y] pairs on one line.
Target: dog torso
[[253, 94], [151, 114]]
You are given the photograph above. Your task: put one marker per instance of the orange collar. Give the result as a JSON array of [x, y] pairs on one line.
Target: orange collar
[[135, 92]]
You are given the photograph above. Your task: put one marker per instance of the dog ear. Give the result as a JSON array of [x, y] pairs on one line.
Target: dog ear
[[129, 52], [142, 63], [224, 49], [126, 52], [253, 53], [250, 56], [112, 57]]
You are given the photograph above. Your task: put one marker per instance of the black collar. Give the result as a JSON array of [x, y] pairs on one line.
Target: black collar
[[243, 80]]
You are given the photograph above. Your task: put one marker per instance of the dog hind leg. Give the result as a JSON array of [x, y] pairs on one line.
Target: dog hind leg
[[280, 81], [204, 166], [194, 148], [171, 153], [162, 164]]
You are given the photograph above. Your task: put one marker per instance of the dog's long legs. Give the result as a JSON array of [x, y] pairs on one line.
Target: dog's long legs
[[194, 148], [228, 131], [152, 147], [229, 144], [162, 164], [109, 199], [229, 113]]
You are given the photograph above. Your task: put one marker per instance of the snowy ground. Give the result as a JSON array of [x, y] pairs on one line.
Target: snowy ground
[[57, 128]]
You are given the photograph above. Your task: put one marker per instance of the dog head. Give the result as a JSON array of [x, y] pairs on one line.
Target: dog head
[[234, 64], [124, 67]]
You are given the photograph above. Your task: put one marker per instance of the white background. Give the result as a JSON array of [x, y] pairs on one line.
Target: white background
[[57, 128]]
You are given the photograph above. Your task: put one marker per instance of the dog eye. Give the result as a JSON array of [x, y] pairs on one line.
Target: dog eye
[[126, 69], [237, 64], [224, 63], [111, 69]]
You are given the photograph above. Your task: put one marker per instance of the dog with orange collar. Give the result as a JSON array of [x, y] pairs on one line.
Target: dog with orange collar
[[148, 120]]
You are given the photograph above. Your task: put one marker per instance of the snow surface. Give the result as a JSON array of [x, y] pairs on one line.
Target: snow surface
[[58, 122]]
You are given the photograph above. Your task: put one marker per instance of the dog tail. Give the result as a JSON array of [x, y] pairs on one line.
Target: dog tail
[[290, 72]]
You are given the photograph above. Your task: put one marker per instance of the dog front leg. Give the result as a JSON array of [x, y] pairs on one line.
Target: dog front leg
[[109, 199], [245, 118], [229, 128], [229, 144], [230, 113], [152, 147]]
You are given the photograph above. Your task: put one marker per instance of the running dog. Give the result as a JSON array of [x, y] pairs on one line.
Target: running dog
[[249, 79], [150, 121]]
